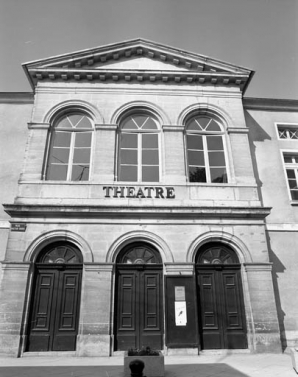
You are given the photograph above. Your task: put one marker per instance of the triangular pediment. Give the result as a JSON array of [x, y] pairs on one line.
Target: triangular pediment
[[137, 59]]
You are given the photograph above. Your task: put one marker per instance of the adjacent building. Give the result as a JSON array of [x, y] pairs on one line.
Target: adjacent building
[[146, 202]]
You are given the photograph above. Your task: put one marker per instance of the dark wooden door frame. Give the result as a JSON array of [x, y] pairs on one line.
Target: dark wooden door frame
[[53, 318], [140, 271], [227, 337]]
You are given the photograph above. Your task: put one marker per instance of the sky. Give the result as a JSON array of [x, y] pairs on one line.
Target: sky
[[261, 35]]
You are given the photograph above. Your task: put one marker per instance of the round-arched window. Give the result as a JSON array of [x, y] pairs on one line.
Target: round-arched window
[[216, 253], [205, 150], [139, 253], [70, 148], [60, 253], [139, 159]]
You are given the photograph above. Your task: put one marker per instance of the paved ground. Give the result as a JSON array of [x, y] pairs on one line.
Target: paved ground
[[268, 365]]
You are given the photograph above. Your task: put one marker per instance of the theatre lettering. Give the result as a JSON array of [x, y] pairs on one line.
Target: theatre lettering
[[139, 192]]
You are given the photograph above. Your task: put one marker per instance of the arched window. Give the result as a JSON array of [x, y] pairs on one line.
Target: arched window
[[139, 253], [61, 253], [216, 253], [139, 149], [205, 150], [70, 148]]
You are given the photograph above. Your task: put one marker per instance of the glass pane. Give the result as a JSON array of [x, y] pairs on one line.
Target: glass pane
[[81, 155], [84, 123], [150, 157], [150, 174], [194, 142], [150, 141], [75, 119], [203, 121], [196, 158], [292, 184], [59, 155], [290, 173], [149, 124], [128, 173], [213, 126], [214, 143], [61, 139], [294, 194], [197, 174], [287, 158], [218, 175], [64, 123], [83, 139], [216, 159], [128, 156], [80, 173], [194, 125], [57, 172], [129, 140], [129, 124]]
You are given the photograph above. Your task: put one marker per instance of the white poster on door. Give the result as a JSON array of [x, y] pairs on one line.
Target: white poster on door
[[180, 313]]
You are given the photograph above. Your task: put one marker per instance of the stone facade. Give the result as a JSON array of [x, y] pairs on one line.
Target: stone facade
[[251, 213]]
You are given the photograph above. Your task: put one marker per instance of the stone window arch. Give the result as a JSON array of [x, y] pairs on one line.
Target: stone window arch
[[216, 253]]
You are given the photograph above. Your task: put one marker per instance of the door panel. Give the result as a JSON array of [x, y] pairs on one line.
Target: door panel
[[55, 310], [139, 309], [221, 308]]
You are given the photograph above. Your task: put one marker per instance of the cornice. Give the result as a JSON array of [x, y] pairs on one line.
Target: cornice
[[173, 212], [270, 104], [17, 97]]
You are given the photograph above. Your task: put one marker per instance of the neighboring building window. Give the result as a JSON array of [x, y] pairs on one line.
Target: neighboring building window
[[139, 149], [70, 149], [291, 165], [205, 150], [288, 131]]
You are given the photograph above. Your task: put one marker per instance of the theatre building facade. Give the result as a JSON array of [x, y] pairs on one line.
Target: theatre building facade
[[146, 203]]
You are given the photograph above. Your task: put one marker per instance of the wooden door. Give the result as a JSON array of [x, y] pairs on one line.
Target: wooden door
[[222, 319], [55, 309], [139, 308]]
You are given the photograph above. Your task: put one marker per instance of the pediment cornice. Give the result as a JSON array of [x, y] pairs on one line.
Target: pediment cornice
[[174, 65]]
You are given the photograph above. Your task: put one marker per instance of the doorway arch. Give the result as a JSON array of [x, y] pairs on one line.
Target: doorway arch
[[138, 297], [55, 302], [220, 298]]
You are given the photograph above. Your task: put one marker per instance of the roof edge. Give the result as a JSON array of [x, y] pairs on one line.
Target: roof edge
[[270, 104], [17, 97]]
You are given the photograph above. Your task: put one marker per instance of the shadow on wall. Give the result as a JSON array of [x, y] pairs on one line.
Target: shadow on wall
[[256, 134], [277, 268]]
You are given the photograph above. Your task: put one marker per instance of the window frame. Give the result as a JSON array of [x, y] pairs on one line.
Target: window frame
[[293, 166], [72, 131], [140, 134], [204, 135], [287, 125]]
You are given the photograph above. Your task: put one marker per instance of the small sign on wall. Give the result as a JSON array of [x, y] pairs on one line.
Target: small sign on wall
[[18, 227], [179, 293], [180, 313]]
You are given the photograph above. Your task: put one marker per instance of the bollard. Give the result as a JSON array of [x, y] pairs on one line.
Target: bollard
[[136, 368]]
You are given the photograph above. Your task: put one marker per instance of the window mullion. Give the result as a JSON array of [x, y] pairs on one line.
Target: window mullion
[[71, 153], [140, 178], [206, 157]]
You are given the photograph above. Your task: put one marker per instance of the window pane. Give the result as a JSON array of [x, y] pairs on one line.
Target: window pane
[[194, 142], [128, 156], [57, 172], [84, 123], [216, 159], [80, 173], [59, 155], [203, 121], [294, 194], [196, 158], [81, 155], [213, 126], [128, 173], [218, 175], [150, 141], [150, 174], [292, 184], [129, 124], [129, 140], [150, 157], [214, 143], [149, 124], [194, 125], [83, 139], [61, 139], [64, 123], [287, 158], [290, 173], [197, 174]]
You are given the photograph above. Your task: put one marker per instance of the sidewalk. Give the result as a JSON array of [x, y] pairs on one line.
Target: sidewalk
[[261, 365]]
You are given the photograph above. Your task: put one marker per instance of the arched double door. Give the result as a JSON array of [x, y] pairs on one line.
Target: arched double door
[[221, 307], [139, 287], [55, 303]]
